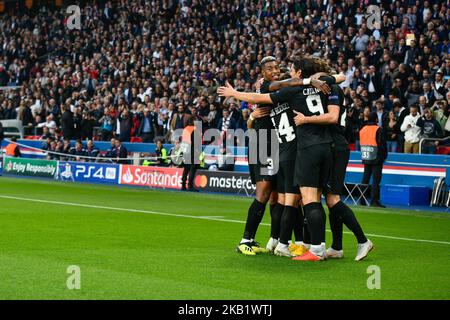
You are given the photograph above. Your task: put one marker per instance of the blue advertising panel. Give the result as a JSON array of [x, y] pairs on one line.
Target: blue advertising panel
[[88, 172]]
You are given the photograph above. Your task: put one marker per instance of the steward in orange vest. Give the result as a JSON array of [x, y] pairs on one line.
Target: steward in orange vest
[[373, 154], [373, 143], [12, 149], [188, 148]]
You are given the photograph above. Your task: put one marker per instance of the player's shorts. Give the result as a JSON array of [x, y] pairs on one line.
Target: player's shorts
[[285, 178], [335, 184], [257, 174], [313, 165]]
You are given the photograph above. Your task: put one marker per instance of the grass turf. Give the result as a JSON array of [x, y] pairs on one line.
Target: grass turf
[[136, 255]]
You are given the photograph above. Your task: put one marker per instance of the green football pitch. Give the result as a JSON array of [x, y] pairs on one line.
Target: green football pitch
[[131, 243]]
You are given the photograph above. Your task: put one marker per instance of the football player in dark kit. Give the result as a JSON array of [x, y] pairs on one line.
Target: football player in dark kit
[[339, 212], [314, 156], [266, 184], [282, 117]]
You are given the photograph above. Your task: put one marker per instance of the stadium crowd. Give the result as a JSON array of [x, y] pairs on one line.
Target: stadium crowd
[[137, 70]]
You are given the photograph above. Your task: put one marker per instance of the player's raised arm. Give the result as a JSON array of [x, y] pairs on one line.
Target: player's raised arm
[[229, 91], [331, 117], [294, 82], [339, 78]]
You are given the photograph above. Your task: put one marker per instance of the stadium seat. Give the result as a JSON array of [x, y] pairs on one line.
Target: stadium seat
[[443, 150], [136, 139], [13, 128]]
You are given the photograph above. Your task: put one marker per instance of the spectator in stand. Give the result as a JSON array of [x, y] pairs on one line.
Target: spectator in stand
[[180, 119], [49, 124], [121, 152], [52, 148], [24, 114], [413, 93], [107, 125], [440, 112], [67, 122], [87, 125], [147, 126], [112, 151], [194, 114], [422, 104], [373, 83], [383, 116], [46, 134], [78, 152], [243, 121], [428, 93], [411, 130], [66, 147], [430, 128], [158, 59], [439, 85], [227, 122], [362, 121], [391, 133], [91, 151], [125, 123]]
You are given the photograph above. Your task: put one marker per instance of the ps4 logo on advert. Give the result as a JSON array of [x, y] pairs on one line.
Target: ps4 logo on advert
[[81, 172], [87, 172]]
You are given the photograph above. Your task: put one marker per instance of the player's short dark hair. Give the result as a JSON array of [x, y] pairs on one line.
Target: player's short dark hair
[[267, 60], [311, 65], [373, 117], [307, 66]]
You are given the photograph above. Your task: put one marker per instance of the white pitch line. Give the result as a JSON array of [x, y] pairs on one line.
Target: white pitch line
[[212, 218]]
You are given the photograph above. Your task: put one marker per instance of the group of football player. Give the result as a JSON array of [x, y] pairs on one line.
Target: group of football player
[[304, 107]]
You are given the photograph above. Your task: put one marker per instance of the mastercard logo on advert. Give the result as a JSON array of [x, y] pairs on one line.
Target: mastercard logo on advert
[[201, 181]]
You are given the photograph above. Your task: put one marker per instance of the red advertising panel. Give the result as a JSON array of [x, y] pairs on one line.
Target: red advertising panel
[[155, 177]]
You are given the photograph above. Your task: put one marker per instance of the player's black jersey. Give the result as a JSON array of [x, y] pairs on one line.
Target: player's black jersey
[[338, 130], [264, 123], [282, 118], [310, 102]]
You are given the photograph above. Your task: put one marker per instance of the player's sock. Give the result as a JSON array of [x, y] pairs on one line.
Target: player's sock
[[255, 213], [336, 226], [287, 223], [276, 212], [315, 215], [298, 225], [350, 221], [258, 222], [306, 234]]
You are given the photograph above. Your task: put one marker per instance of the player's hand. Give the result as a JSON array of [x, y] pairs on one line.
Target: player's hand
[[227, 91], [299, 118], [317, 75], [260, 112], [321, 85], [259, 83]]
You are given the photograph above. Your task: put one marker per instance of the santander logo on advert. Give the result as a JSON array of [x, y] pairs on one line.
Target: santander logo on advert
[[151, 176]]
